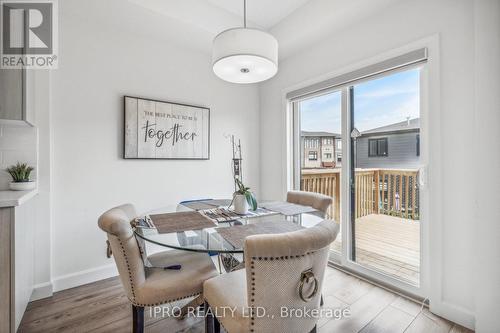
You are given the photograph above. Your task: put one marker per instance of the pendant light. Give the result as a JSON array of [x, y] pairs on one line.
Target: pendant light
[[245, 55]]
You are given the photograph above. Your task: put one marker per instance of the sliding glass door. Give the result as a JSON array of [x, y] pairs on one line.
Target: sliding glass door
[[320, 150], [385, 210], [359, 142]]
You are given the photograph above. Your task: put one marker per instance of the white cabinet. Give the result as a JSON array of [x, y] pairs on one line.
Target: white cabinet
[[11, 94], [17, 225], [15, 96]]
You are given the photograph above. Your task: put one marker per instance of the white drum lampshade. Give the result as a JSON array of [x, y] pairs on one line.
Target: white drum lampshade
[[243, 55]]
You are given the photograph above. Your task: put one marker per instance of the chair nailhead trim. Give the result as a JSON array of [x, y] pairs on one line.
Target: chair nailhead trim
[[128, 269], [252, 273], [166, 301]]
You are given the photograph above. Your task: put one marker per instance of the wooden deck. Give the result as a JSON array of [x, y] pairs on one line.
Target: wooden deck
[[389, 244]]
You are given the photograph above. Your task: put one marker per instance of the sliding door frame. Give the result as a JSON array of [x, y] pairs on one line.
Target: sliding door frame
[[345, 260], [419, 292]]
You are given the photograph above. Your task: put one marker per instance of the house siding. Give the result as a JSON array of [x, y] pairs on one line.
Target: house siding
[[402, 152]]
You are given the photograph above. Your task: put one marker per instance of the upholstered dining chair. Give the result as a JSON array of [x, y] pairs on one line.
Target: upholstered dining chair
[[282, 270], [151, 286], [317, 201]]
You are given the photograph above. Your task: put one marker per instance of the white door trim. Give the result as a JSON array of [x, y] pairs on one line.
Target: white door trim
[[429, 80]]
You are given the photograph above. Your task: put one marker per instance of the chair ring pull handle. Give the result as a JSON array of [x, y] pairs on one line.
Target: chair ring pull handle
[[109, 252], [305, 277]]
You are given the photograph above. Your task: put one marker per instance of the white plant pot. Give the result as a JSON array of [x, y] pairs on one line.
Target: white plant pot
[[240, 204], [22, 186]]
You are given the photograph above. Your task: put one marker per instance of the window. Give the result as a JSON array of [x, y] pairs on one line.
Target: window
[[328, 155], [327, 141], [377, 147], [339, 158], [313, 156], [312, 143], [418, 144], [339, 144]]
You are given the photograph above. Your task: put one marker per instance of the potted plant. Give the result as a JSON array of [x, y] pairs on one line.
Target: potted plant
[[243, 198], [20, 174]]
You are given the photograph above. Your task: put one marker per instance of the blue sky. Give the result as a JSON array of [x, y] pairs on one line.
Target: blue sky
[[377, 103]]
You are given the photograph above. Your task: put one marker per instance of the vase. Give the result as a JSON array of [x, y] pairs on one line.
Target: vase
[[22, 186], [240, 204]]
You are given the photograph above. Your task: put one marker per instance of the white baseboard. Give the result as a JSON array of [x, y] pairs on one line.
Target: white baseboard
[[42, 290], [84, 277], [454, 313]]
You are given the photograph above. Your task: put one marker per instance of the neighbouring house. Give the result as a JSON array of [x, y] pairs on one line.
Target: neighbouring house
[[392, 146], [320, 150]]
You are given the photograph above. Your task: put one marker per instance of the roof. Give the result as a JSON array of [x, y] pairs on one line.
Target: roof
[[319, 134], [411, 125]]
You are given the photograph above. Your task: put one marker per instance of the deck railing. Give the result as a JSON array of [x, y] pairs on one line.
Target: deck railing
[[377, 191]]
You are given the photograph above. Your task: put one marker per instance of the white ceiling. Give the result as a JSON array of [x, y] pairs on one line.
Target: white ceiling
[[218, 15], [295, 23], [263, 13]]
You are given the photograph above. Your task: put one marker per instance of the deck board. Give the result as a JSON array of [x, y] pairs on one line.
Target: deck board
[[388, 243]]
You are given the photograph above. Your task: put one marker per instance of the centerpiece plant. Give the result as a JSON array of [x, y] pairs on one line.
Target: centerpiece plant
[[243, 198], [245, 191]]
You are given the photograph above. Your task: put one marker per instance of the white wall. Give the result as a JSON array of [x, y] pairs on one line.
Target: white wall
[[487, 155], [393, 27], [100, 61], [39, 106]]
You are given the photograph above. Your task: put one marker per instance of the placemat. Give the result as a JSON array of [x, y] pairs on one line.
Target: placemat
[[180, 221], [207, 204], [220, 214], [236, 234], [198, 205], [287, 208], [219, 202]]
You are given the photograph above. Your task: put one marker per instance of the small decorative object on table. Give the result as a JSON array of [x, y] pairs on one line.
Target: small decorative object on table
[[242, 197], [20, 174]]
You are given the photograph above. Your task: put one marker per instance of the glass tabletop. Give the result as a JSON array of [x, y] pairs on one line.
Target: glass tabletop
[[208, 240]]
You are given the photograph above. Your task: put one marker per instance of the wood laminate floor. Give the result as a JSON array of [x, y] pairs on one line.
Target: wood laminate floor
[[103, 307]]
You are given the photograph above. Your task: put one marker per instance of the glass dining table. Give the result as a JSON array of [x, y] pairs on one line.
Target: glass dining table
[[210, 240]]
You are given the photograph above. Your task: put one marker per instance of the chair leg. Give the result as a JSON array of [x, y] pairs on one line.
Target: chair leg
[[313, 330], [216, 325], [212, 325], [137, 319], [209, 319]]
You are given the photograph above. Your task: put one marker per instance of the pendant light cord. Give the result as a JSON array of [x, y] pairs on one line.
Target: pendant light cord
[[244, 13]]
